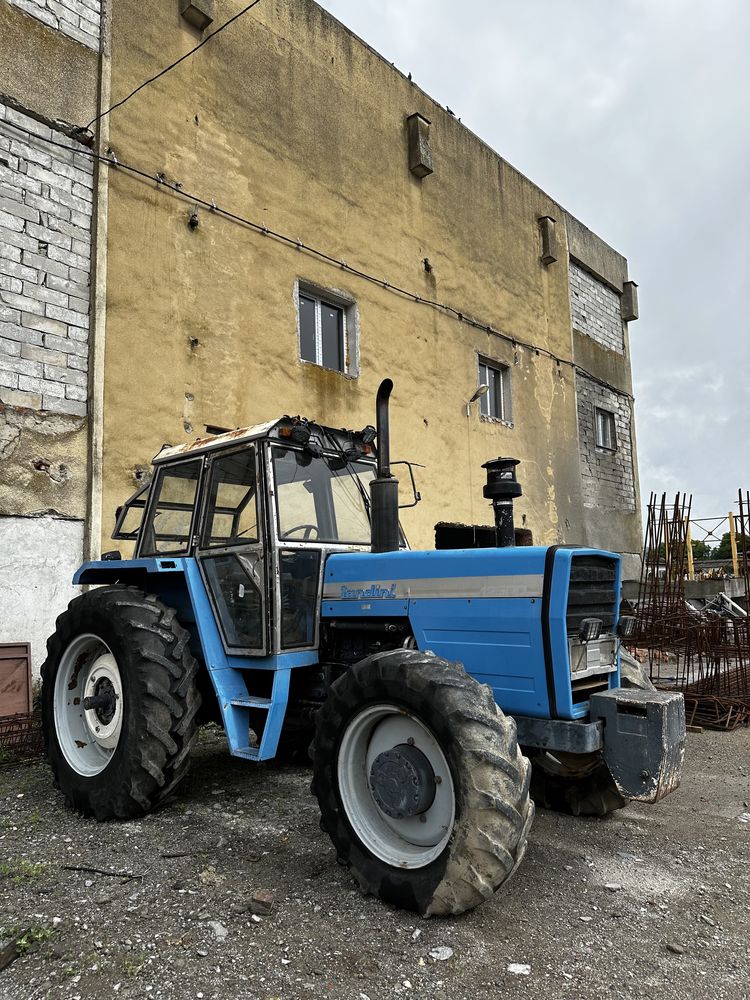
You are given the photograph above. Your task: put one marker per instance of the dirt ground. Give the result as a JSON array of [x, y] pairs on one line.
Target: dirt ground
[[652, 902]]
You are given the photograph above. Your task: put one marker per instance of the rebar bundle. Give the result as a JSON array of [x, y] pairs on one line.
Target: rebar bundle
[[704, 654]]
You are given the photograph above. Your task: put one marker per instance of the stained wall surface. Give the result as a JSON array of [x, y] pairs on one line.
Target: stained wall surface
[[289, 120], [49, 78]]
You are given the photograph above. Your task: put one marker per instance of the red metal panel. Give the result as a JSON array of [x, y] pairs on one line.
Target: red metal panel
[[15, 678]]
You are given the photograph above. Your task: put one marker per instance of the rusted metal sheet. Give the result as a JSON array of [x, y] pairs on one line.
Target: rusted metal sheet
[[15, 678], [20, 738], [215, 441]]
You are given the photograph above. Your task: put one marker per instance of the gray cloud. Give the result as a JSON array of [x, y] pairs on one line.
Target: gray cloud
[[635, 116]]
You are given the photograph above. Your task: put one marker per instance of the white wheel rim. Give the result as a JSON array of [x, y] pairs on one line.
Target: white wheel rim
[[415, 841], [88, 738]]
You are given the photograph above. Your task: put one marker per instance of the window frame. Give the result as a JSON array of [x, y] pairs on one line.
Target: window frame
[[612, 424], [159, 473], [204, 533], [349, 327], [503, 370]]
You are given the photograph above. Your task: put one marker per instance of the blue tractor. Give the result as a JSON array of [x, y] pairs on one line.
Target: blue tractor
[[440, 692]]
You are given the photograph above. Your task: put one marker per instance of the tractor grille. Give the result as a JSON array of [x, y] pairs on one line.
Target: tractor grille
[[591, 593]]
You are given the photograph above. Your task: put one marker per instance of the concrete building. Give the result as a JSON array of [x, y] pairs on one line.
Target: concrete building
[[380, 238]]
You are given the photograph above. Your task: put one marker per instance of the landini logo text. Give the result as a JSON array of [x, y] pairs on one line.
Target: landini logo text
[[364, 593]]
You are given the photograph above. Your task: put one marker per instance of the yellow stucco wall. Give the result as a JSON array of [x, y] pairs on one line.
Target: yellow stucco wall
[[290, 120]]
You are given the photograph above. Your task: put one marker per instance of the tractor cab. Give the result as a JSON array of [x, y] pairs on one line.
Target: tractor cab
[[259, 509]]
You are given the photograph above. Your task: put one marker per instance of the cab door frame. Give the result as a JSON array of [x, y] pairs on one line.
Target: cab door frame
[[256, 551]]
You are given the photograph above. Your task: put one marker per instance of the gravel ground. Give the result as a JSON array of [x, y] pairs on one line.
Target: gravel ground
[[652, 902]]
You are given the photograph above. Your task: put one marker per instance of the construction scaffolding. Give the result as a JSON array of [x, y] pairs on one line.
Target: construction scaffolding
[[701, 649]]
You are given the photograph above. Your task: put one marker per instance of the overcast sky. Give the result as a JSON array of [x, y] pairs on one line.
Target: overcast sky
[[635, 115]]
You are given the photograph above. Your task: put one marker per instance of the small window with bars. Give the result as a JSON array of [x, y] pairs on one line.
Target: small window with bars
[[606, 429], [324, 332], [495, 403]]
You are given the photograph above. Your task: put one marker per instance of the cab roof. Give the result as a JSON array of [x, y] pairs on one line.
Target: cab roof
[[241, 435]]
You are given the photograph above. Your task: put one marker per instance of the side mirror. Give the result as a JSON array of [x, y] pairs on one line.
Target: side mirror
[[415, 492]]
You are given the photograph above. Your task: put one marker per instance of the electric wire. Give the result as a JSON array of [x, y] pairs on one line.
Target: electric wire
[[177, 189], [177, 62]]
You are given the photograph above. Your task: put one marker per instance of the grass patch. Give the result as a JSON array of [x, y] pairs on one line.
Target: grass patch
[[21, 869]]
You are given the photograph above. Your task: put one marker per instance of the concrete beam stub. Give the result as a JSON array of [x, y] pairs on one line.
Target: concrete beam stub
[[199, 13]]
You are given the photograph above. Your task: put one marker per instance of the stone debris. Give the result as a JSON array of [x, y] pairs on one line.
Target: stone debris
[[416, 934], [220, 931], [262, 901], [707, 920], [676, 949], [441, 953], [519, 969], [613, 886]]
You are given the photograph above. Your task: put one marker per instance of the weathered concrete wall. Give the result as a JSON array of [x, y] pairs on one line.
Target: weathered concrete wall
[[35, 559], [78, 19], [45, 253], [45, 259], [313, 141], [44, 71]]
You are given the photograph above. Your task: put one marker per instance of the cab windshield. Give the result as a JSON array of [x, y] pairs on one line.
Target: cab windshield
[[323, 498]]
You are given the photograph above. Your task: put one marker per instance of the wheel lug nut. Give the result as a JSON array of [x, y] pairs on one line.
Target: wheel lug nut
[[438, 780], [422, 818], [410, 741]]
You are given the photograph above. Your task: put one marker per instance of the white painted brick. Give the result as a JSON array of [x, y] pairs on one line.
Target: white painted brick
[[30, 384], [65, 406], [18, 210], [13, 331], [68, 346], [29, 400], [20, 366], [80, 364], [70, 287], [49, 235], [67, 315], [41, 354], [65, 15], [8, 380], [22, 302], [76, 333], [11, 348], [11, 222], [66, 376], [44, 324], [8, 284], [66, 257], [76, 392], [42, 263]]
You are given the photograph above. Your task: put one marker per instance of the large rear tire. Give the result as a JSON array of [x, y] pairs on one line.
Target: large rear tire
[[119, 702], [421, 785]]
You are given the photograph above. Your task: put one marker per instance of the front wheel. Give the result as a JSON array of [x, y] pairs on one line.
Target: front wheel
[[421, 785], [119, 702]]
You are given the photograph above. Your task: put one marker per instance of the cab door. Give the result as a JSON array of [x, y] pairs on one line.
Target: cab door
[[231, 551]]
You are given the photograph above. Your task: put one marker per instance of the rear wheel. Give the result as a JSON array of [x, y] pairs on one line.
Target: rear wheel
[[119, 702], [421, 785]]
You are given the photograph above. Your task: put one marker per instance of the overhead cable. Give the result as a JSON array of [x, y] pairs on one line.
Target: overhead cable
[[462, 316], [177, 62]]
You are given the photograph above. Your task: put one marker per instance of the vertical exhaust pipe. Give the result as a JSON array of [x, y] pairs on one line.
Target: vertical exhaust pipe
[[502, 488], [384, 488]]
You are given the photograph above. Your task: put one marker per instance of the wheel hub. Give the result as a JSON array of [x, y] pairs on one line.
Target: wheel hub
[[402, 782]]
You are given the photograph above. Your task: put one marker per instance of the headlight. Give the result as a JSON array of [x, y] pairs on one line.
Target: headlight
[[591, 628]]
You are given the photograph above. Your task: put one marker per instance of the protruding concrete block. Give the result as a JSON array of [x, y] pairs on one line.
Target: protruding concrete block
[[420, 152], [549, 239], [629, 301], [199, 13]]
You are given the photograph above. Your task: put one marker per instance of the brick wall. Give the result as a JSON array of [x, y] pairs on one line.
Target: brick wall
[[79, 19], [595, 309], [607, 477], [46, 196]]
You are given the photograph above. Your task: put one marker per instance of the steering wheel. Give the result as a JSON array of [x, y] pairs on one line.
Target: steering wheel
[[307, 528]]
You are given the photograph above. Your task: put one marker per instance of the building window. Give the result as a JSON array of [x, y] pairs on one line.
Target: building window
[[606, 432], [326, 330], [495, 403]]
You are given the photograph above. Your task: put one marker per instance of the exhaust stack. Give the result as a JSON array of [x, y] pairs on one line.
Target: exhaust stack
[[384, 488], [502, 488]]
